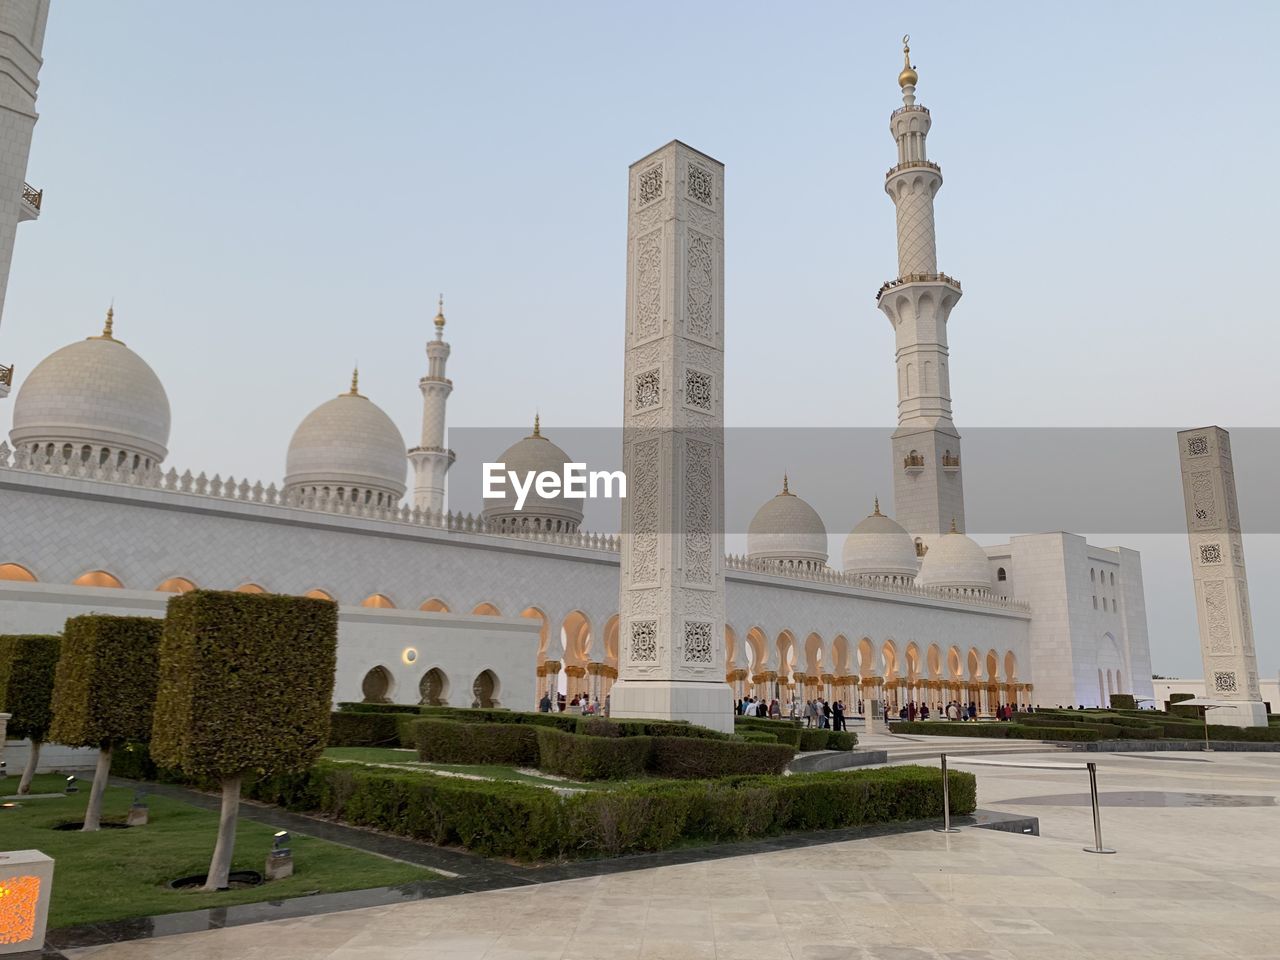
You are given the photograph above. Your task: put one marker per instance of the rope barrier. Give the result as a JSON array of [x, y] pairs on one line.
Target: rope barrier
[[1093, 792]]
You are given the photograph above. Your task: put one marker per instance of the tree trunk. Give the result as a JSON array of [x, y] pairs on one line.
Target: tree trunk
[[93, 812], [33, 758], [220, 866]]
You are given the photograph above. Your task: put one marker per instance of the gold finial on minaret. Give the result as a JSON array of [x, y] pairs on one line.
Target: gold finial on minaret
[[877, 511], [355, 382], [786, 487], [908, 76], [439, 321]]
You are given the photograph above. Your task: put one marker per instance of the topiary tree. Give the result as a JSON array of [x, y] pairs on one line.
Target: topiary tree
[[246, 686], [104, 690], [27, 665]]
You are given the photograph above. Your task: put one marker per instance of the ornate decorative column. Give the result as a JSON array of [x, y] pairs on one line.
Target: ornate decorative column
[[672, 606], [1217, 570]]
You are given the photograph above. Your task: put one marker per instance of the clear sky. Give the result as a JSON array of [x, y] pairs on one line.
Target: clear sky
[[273, 191]]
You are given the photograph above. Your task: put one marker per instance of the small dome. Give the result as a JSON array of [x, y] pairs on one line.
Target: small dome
[[954, 561], [348, 445], [880, 547], [555, 514], [97, 399], [787, 530]]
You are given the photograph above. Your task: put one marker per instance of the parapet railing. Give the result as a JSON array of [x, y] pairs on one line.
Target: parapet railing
[[6, 376], [242, 491], [918, 278], [32, 195], [910, 164], [911, 108]]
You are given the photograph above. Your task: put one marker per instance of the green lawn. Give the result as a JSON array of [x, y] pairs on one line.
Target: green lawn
[[408, 759], [120, 874]]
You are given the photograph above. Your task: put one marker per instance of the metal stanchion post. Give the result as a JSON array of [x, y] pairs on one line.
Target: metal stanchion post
[[946, 802], [1097, 818]]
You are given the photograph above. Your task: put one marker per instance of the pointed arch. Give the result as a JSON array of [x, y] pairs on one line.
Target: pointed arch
[[933, 660], [249, 588], [176, 585], [544, 633], [757, 650], [97, 578], [611, 641], [378, 600], [434, 605], [575, 637], [841, 656], [315, 593], [815, 660], [485, 609], [16, 571]]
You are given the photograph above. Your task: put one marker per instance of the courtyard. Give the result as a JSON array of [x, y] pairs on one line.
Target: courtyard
[[1197, 837]]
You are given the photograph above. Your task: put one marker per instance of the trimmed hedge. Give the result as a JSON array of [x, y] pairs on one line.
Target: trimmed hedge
[[952, 728], [582, 757], [699, 757], [786, 731], [842, 740], [28, 664], [444, 741], [567, 722], [359, 729], [350, 706], [1123, 701], [813, 739], [757, 736], [1075, 734], [105, 683], [246, 683], [530, 823]]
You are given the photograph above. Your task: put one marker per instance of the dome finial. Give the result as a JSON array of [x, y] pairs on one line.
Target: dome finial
[[537, 425], [439, 321], [786, 486], [108, 326], [877, 512], [908, 77], [355, 381]]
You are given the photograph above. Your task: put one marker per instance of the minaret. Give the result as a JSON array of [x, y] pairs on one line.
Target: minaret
[[432, 459], [22, 24], [927, 484]]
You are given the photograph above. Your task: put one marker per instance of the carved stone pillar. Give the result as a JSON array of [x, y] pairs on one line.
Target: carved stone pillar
[[672, 605]]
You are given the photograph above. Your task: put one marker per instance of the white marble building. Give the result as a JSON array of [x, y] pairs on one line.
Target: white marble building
[[497, 608]]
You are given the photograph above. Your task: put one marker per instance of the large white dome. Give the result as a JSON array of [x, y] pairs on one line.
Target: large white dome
[[953, 561], [347, 447], [880, 547], [555, 514], [787, 530], [97, 400]]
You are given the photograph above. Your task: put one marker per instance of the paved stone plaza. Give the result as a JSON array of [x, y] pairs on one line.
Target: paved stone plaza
[[1198, 837]]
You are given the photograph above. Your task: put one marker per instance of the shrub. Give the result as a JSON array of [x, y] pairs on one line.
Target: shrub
[[359, 729], [582, 757], [1123, 701], [1078, 734], [757, 736], [246, 683], [349, 706], [786, 731], [28, 664], [842, 740], [814, 740], [953, 728], [104, 690], [442, 741], [699, 757], [567, 722], [530, 823]]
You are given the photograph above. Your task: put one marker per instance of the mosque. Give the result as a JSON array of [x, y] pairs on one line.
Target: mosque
[[495, 609]]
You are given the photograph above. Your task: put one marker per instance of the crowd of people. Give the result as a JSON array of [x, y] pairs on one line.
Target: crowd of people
[[955, 710], [819, 712], [581, 703]]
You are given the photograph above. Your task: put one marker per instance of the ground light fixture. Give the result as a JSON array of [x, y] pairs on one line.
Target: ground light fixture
[[280, 859], [71, 785]]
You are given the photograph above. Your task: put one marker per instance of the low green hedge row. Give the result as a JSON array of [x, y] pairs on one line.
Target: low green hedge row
[[1015, 731], [757, 736], [530, 823], [581, 757], [349, 706], [444, 741], [1173, 727], [802, 738], [786, 731]]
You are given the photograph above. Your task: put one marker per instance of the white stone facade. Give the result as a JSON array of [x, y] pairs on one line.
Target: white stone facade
[[22, 24]]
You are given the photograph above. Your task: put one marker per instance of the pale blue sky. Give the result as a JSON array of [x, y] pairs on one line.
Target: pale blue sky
[[271, 191]]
